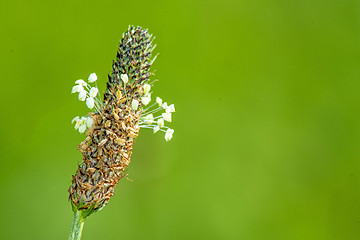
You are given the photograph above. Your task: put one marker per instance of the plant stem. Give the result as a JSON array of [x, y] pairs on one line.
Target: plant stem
[[77, 226]]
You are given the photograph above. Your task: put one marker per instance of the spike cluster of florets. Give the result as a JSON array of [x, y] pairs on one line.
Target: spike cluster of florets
[[93, 100], [156, 123], [147, 119], [114, 125]]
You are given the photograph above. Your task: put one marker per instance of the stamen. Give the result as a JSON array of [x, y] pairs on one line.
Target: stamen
[[154, 110]]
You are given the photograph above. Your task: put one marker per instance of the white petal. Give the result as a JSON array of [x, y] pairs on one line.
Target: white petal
[[81, 82], [159, 101], [93, 92], [77, 88], [92, 77], [164, 105], [156, 128], [147, 88], [124, 78], [75, 119], [167, 116], [89, 122], [170, 109], [90, 102], [134, 104], [83, 120], [148, 119], [145, 100], [82, 128], [160, 122], [169, 134], [82, 95]]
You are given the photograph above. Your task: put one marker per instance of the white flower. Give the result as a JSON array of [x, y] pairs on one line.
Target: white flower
[[89, 122], [169, 134], [167, 116], [164, 105], [156, 128], [82, 128], [82, 95], [148, 119], [92, 77], [157, 123], [83, 120], [90, 102], [147, 88], [145, 100], [77, 88], [159, 101], [134, 104], [170, 109], [93, 92], [160, 122], [124, 78], [81, 82]]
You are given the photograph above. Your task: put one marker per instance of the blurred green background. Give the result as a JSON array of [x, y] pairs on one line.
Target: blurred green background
[[267, 122]]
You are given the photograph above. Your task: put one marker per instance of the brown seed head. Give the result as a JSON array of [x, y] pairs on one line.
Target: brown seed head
[[108, 146]]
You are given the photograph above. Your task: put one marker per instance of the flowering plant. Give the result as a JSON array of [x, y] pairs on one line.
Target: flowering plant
[[114, 124]]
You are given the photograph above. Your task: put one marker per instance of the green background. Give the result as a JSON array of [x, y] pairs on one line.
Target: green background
[[267, 122]]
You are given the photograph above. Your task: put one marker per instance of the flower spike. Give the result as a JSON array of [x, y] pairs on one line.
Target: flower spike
[[115, 122]]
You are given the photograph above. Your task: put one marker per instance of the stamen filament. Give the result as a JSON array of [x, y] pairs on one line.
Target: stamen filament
[[152, 126], [98, 93], [154, 110], [149, 107]]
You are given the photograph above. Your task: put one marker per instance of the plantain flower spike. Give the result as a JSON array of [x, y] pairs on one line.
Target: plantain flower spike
[[115, 123]]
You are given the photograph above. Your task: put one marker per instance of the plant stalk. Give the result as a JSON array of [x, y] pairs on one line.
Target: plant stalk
[[77, 226]]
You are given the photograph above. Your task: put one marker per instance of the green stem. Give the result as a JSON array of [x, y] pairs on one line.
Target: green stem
[[77, 226]]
